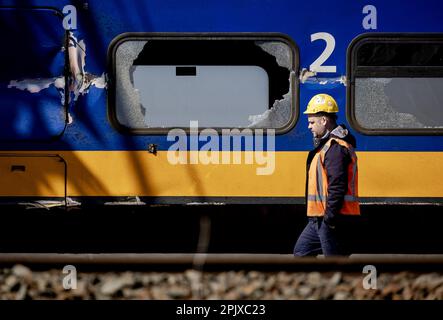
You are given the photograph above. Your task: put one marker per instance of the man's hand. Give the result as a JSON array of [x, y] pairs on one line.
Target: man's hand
[[329, 222]]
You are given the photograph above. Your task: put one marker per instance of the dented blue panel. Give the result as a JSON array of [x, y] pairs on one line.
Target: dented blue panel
[[32, 80]]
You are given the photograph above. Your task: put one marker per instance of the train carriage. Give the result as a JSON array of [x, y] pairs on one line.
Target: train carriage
[[199, 102]]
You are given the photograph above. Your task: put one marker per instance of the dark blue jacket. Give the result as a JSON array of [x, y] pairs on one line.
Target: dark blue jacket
[[337, 159]]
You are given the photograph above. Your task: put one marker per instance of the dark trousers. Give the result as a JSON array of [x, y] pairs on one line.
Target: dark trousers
[[319, 238]]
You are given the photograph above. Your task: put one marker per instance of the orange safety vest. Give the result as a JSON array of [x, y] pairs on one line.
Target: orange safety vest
[[318, 183]]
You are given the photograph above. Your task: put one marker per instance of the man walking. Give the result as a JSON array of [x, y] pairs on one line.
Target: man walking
[[332, 181]]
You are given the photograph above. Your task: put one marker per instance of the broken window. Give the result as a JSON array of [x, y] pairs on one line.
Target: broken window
[[385, 103], [219, 81], [396, 84]]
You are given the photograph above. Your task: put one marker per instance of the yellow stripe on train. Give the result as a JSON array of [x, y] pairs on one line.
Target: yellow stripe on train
[[125, 173]]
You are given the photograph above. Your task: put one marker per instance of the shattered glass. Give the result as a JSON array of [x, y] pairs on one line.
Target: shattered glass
[[238, 96], [130, 112], [280, 113], [279, 50], [399, 103]]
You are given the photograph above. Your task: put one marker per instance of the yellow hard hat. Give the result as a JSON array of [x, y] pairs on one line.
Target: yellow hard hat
[[321, 103]]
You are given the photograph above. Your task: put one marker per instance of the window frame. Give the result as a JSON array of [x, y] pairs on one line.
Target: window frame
[[146, 36], [353, 72]]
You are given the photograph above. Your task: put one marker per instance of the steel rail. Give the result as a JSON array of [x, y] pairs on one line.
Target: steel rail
[[228, 261]]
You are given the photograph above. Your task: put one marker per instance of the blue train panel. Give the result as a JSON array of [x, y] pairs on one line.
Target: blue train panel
[[32, 77], [38, 116]]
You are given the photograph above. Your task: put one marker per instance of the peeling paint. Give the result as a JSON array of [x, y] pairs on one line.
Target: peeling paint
[[131, 201], [88, 81], [305, 74], [48, 204], [70, 119], [39, 84], [77, 55], [99, 82], [310, 77], [32, 85], [80, 82], [326, 81]]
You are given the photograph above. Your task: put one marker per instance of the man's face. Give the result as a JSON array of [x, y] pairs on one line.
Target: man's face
[[317, 125]]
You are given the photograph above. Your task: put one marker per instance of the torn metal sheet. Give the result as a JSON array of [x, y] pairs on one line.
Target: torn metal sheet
[[36, 85], [326, 81], [90, 80], [305, 74], [77, 55], [48, 204], [39, 84], [81, 80], [310, 77]]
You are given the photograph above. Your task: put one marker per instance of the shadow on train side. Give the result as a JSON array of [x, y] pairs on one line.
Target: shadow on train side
[[34, 86], [36, 121], [232, 229]]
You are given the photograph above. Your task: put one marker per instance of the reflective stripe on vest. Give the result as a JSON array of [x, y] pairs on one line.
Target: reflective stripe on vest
[[318, 183]]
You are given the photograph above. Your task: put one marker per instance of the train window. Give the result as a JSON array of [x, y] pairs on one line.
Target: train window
[[221, 81], [217, 96], [395, 84]]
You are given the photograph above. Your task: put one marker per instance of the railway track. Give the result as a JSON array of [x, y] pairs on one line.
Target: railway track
[[219, 276], [217, 262]]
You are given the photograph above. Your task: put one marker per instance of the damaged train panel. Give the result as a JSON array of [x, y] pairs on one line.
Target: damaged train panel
[[105, 93], [32, 63]]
